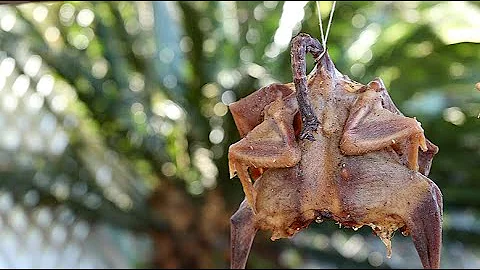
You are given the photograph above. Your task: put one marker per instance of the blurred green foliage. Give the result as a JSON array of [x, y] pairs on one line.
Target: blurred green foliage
[[141, 91]]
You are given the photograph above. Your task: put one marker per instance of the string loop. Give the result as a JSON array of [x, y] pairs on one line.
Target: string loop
[[324, 37]]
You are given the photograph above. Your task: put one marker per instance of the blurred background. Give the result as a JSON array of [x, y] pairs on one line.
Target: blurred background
[[115, 126]]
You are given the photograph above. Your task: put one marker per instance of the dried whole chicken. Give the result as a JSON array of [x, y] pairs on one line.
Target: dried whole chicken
[[325, 146]]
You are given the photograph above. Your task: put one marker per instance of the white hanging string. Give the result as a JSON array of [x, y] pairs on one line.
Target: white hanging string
[[325, 37]]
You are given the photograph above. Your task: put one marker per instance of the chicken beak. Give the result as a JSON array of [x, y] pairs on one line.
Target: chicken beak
[[425, 227], [242, 234]]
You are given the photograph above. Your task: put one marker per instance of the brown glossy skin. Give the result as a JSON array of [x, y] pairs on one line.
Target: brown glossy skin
[[353, 157]]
